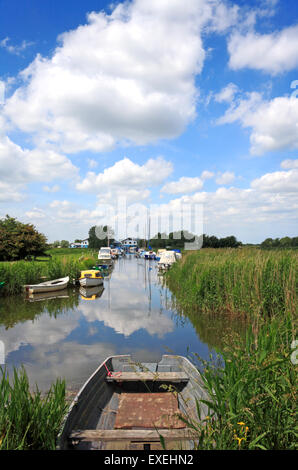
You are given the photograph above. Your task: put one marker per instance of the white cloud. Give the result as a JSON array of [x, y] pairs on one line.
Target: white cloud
[[274, 123], [60, 204], [279, 181], [36, 213], [124, 77], [184, 185], [206, 175], [18, 165], [226, 94], [15, 49], [9, 193], [273, 53], [290, 163], [126, 178], [51, 189], [225, 178], [267, 207]]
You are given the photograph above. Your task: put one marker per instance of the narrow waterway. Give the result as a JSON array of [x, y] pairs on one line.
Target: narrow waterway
[[68, 334]]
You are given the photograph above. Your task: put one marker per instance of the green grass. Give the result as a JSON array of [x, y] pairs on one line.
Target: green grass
[[252, 402], [69, 263], [245, 281], [29, 421], [253, 399]]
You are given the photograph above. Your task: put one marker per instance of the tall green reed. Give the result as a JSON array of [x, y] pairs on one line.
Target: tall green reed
[[248, 282], [252, 398], [29, 421]]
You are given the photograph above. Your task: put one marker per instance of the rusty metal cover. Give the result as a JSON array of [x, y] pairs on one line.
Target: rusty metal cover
[[148, 410]]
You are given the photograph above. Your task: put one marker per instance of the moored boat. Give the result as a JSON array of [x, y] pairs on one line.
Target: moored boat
[[105, 256], [150, 254], [90, 278], [167, 258], [129, 405], [159, 252], [48, 286]]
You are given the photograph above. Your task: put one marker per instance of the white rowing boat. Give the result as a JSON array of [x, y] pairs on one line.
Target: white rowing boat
[[48, 286]]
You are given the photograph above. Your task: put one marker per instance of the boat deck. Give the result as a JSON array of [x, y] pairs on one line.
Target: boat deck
[[133, 405]]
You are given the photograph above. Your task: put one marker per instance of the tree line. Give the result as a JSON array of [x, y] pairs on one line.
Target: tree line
[[176, 240], [285, 242]]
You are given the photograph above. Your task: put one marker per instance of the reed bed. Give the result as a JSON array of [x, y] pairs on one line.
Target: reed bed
[[253, 402], [29, 421], [249, 282], [16, 274], [252, 386]]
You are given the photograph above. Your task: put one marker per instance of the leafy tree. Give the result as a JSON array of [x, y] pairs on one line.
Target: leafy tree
[[56, 243], [64, 244], [96, 242], [18, 240]]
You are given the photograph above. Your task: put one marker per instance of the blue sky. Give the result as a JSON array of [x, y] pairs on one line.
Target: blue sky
[[157, 103]]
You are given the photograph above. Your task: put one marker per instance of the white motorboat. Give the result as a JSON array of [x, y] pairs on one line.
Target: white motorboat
[[105, 255], [167, 258]]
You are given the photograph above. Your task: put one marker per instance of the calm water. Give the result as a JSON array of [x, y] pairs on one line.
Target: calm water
[[68, 336]]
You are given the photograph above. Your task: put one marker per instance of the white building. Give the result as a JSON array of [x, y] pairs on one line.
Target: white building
[[82, 244], [129, 243]]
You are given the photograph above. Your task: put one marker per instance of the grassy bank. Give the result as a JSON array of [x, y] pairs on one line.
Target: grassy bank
[[245, 281], [62, 263], [252, 401], [253, 397], [29, 421]]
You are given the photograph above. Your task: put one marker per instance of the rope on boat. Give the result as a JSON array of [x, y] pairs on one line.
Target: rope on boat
[[110, 374]]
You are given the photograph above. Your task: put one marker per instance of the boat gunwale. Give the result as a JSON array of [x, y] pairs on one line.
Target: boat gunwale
[[59, 281], [180, 359]]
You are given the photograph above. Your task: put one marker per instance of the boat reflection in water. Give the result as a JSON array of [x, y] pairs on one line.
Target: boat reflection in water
[[62, 294], [91, 293]]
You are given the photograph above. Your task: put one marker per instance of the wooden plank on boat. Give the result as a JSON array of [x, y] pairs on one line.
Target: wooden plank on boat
[[149, 376], [147, 435]]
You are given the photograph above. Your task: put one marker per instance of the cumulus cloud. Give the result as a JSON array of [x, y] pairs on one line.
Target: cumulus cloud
[[272, 53], [21, 166], [225, 178], [9, 193], [183, 186], [36, 213], [126, 178], [289, 163], [273, 122], [226, 94], [125, 77], [279, 181], [207, 175]]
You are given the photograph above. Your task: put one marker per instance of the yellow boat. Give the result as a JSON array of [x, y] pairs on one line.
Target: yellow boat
[[90, 278]]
